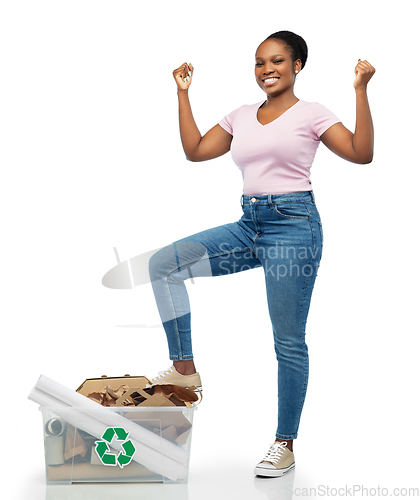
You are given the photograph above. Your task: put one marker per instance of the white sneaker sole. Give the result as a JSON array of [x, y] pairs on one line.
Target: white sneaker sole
[[262, 471], [149, 386], [198, 391]]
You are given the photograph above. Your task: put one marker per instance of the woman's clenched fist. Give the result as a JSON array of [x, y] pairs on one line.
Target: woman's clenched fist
[[364, 72], [183, 76]]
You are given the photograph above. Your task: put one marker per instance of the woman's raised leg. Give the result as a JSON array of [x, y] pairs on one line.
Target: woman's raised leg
[[218, 251]]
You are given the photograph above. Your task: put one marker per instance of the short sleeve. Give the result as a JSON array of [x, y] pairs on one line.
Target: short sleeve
[[228, 122], [322, 119]]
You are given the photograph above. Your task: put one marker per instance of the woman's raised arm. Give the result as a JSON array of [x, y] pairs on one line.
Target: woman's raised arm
[[216, 142], [357, 147]]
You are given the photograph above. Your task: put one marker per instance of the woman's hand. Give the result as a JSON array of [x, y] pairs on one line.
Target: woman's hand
[[364, 72], [357, 147], [183, 76]]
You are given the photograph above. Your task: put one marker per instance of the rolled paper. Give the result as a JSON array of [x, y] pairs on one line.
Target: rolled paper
[[55, 427], [54, 450]]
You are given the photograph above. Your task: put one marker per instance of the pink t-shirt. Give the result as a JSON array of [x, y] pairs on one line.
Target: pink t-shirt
[[277, 157]]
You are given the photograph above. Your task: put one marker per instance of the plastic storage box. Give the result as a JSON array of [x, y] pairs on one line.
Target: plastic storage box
[[135, 444]]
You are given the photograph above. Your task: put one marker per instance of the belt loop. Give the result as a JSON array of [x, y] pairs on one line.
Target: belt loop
[[270, 203], [242, 201], [313, 197]]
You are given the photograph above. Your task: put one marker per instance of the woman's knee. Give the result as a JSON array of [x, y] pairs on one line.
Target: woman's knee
[[289, 342], [160, 262], [179, 261]]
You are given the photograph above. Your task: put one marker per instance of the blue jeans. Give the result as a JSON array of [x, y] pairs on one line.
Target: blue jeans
[[281, 233]]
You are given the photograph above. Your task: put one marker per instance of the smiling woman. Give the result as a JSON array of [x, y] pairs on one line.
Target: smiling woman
[[276, 68], [283, 66], [273, 142]]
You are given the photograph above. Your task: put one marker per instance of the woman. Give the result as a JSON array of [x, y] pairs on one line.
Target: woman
[[273, 143]]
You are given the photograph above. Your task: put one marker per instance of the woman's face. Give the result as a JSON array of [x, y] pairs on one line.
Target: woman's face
[[274, 68]]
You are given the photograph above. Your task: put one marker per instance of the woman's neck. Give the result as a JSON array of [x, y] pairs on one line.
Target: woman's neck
[[282, 101]]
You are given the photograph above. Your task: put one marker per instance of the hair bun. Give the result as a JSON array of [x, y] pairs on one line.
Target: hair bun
[[296, 44]]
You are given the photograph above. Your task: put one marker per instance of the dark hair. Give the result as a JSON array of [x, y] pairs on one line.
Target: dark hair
[[295, 43]]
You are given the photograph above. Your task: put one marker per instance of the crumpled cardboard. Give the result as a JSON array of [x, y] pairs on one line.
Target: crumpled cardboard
[[131, 391], [158, 395]]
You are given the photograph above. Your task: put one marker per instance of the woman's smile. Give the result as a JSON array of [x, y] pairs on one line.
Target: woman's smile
[[270, 81]]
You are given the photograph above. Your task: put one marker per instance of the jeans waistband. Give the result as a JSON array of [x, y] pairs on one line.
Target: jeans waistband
[[270, 199]]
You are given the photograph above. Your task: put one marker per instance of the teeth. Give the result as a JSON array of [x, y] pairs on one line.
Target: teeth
[[270, 80]]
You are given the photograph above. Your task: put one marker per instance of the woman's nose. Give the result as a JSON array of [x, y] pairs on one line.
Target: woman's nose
[[267, 70]]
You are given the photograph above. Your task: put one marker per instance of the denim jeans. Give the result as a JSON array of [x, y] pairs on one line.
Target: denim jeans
[[281, 233]]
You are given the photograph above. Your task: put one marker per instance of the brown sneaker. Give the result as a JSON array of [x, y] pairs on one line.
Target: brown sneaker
[[171, 376], [278, 461]]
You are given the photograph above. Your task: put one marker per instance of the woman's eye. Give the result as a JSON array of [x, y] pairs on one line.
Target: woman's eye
[[277, 61]]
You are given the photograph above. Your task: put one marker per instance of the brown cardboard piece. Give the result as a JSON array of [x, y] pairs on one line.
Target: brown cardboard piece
[[91, 385], [134, 395], [74, 445]]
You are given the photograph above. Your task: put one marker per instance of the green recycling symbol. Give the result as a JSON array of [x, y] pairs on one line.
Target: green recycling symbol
[[103, 452]]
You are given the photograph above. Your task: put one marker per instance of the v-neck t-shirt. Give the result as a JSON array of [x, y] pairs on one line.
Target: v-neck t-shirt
[[276, 158]]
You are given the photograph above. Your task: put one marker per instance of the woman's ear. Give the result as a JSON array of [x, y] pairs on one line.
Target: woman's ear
[[297, 66]]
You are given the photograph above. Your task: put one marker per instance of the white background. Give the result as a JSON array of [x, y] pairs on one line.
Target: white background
[[91, 159]]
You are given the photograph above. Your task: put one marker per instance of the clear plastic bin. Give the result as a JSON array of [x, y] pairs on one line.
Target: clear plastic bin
[[135, 444]]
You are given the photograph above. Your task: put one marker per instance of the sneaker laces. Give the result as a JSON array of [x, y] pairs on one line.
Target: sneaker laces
[[162, 374], [275, 453]]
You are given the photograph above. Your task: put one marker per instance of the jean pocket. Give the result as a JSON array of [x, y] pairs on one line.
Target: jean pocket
[[292, 210]]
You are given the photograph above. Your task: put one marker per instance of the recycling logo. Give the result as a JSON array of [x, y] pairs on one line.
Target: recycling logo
[[124, 457]]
